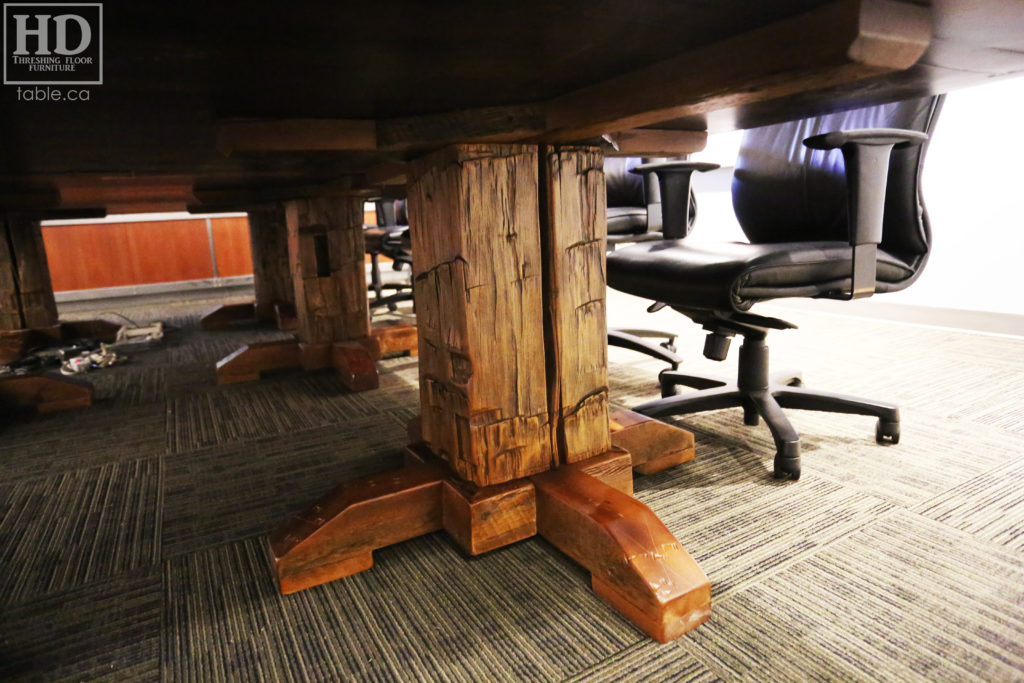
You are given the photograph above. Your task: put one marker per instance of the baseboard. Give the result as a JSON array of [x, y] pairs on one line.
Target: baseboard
[[988, 322]]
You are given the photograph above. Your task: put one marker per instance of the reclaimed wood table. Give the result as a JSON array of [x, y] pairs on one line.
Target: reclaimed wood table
[[494, 119]]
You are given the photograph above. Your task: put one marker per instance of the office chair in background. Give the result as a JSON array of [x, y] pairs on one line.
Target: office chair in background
[[634, 215], [832, 208], [389, 238]]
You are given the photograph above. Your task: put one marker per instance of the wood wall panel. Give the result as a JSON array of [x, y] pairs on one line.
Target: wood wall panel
[[231, 243], [93, 256]]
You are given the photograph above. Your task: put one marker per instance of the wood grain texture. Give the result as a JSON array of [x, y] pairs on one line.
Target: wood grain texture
[[336, 536], [481, 519], [246, 364], [636, 564], [232, 246], [614, 468], [653, 445], [30, 273], [271, 271], [652, 142], [93, 256], [331, 300], [394, 337], [573, 243], [286, 316], [354, 362], [10, 301], [295, 135], [315, 356], [842, 41], [48, 393], [477, 277], [481, 125]]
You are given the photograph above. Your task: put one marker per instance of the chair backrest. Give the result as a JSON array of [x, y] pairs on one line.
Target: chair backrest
[[785, 192], [624, 188], [391, 212]]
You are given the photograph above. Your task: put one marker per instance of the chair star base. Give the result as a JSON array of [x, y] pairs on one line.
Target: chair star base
[[764, 396]]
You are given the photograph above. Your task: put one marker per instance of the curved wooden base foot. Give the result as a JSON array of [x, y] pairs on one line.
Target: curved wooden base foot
[[353, 361], [394, 338], [584, 509], [46, 393], [336, 536], [246, 364], [654, 445], [227, 315], [286, 316], [355, 364], [636, 564]]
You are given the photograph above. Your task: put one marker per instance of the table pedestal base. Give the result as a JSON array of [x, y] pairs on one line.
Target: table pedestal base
[[225, 316], [585, 509], [228, 315], [354, 361]]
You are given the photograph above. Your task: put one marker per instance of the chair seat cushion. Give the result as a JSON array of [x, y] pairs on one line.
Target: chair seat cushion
[[734, 275], [623, 220], [376, 237]]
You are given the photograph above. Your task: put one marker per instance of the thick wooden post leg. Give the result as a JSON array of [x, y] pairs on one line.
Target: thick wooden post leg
[[636, 564], [326, 251], [271, 274], [26, 292], [336, 536]]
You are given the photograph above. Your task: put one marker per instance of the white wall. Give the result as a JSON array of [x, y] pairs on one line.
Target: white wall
[[974, 190]]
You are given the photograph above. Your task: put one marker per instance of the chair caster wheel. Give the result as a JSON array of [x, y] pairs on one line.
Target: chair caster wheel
[[796, 382], [787, 462], [887, 432], [750, 417], [668, 388]]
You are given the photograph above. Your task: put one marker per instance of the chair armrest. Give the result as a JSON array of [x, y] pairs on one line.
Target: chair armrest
[[866, 153], [674, 181]]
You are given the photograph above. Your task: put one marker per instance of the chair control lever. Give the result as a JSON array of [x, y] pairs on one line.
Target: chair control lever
[[716, 345]]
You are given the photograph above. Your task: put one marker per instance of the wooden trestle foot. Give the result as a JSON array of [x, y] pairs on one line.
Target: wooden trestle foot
[[46, 393], [654, 445], [336, 536], [246, 364], [393, 337], [584, 509], [636, 564], [354, 361], [227, 315]]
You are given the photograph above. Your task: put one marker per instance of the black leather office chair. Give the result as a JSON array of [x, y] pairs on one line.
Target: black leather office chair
[[390, 238], [832, 207], [634, 215]]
